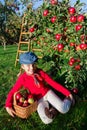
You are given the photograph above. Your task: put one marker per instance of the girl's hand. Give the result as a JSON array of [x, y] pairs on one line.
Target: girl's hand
[[72, 99], [10, 111]]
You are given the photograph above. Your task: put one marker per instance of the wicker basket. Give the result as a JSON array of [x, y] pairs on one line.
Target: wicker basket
[[24, 112]]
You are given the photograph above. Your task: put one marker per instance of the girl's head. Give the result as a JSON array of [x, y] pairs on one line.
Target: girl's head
[[27, 61]]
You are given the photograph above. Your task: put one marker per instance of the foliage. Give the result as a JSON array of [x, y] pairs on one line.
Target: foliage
[[60, 35], [9, 23]]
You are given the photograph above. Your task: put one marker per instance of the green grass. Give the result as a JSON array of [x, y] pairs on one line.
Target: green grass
[[75, 119]]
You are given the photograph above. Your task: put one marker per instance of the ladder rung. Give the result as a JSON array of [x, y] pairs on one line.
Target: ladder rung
[[20, 51], [40, 56], [17, 59], [25, 32], [35, 49], [23, 42]]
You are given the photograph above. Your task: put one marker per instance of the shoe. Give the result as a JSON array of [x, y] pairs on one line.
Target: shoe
[[51, 113], [76, 98]]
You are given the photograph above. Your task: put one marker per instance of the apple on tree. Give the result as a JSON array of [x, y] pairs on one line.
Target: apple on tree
[[71, 10], [80, 18], [73, 19], [53, 19], [75, 90]]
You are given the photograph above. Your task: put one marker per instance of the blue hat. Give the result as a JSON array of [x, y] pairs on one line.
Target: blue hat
[[28, 58]]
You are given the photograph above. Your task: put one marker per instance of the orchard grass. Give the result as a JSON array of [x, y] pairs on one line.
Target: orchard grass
[[75, 119]]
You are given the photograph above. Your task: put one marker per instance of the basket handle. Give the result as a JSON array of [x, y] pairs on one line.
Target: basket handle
[[14, 100]]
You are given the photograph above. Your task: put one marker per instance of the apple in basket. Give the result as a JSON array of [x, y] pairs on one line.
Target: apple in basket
[[21, 99], [25, 103], [20, 104], [30, 99], [18, 96]]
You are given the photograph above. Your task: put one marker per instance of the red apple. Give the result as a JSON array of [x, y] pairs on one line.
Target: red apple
[[25, 104], [18, 96], [73, 19], [77, 67], [53, 2], [78, 27], [83, 46], [71, 10], [20, 103], [58, 36], [80, 18], [75, 90], [72, 60], [72, 44], [60, 47], [70, 63], [53, 19], [46, 12], [31, 29]]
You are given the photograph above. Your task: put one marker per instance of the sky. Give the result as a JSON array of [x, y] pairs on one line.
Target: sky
[[38, 3]]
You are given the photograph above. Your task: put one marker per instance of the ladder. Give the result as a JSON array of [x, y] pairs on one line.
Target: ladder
[[25, 43]]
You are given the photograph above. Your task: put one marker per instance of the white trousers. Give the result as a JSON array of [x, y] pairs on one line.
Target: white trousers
[[62, 106]]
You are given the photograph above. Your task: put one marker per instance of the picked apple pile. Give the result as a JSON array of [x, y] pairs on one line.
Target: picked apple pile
[[25, 99]]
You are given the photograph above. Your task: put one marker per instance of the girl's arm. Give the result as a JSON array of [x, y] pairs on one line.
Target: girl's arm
[[54, 84]]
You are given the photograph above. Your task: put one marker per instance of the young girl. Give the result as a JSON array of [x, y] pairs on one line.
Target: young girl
[[33, 79]]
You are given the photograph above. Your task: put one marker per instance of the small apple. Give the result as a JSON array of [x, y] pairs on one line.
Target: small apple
[[80, 18], [60, 47], [53, 2], [72, 44], [75, 90], [72, 59], [19, 103], [21, 99], [83, 46], [78, 67], [46, 12], [70, 63], [30, 99], [53, 19], [71, 10], [73, 19], [18, 96], [32, 29], [78, 27], [25, 104], [58, 36]]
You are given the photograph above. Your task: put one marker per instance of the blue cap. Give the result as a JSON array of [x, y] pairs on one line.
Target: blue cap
[[27, 58]]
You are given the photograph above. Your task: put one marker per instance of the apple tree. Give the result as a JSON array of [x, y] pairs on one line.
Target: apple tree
[[60, 30]]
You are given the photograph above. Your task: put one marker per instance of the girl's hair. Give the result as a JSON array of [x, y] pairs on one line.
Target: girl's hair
[[20, 72]]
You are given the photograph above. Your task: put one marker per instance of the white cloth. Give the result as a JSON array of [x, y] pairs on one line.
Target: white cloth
[[62, 106]]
